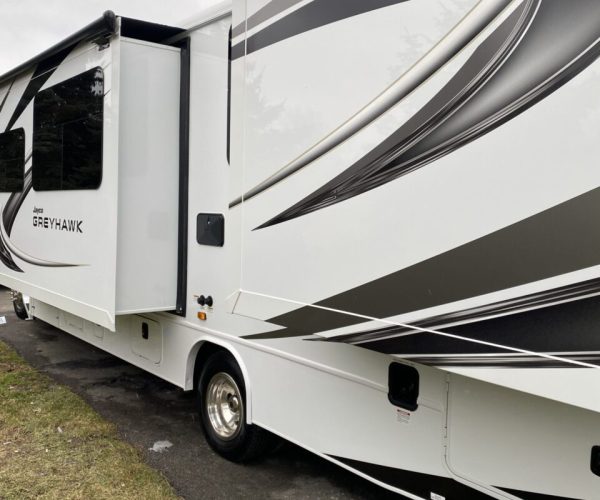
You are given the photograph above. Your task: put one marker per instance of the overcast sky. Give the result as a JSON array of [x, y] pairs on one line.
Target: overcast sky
[[27, 27]]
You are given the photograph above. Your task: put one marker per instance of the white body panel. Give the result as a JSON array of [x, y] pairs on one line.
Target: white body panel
[[513, 432]]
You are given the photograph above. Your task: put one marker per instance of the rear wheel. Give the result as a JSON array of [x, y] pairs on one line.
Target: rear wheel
[[20, 304], [222, 399]]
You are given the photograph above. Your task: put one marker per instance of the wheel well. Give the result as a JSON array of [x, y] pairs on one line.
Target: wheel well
[[206, 350]]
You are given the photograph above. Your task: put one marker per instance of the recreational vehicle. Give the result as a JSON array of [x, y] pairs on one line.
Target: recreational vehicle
[[366, 227]]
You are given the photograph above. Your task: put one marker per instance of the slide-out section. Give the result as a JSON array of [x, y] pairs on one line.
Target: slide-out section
[[90, 221]]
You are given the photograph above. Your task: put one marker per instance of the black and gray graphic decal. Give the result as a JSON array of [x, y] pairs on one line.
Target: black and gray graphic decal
[[566, 330], [524, 303], [312, 15], [9, 214], [539, 48], [263, 14], [456, 40], [4, 99], [428, 485], [528, 495], [417, 483], [41, 74], [556, 241]]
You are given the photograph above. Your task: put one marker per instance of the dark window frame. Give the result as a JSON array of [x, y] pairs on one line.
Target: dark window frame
[[68, 135], [18, 156]]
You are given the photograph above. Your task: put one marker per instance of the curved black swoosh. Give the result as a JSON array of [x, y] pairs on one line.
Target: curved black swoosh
[[9, 214], [423, 485], [515, 68], [5, 98], [313, 15], [556, 241], [568, 330], [543, 299], [15, 200], [273, 8], [42, 73]]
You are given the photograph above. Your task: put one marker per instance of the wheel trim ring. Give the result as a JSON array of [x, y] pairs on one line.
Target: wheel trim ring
[[224, 406]]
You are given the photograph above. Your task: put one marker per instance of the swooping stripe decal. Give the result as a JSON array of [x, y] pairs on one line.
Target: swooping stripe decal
[[455, 41], [313, 15], [556, 241], [272, 9], [42, 73], [519, 65], [568, 330]]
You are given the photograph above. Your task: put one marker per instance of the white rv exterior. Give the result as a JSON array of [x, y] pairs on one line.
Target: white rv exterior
[[366, 227]]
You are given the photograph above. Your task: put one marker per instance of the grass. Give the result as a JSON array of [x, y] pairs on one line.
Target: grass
[[54, 446]]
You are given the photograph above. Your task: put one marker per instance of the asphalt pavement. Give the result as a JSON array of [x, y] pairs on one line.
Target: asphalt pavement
[[148, 411]]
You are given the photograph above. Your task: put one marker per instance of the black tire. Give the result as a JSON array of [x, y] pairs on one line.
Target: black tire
[[249, 442], [19, 306]]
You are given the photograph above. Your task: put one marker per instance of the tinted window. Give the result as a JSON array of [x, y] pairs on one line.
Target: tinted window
[[12, 160], [67, 134]]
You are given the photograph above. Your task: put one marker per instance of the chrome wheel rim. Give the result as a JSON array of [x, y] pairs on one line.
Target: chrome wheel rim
[[224, 405]]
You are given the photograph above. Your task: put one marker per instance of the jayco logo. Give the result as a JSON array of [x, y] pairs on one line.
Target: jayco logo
[[58, 224]]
